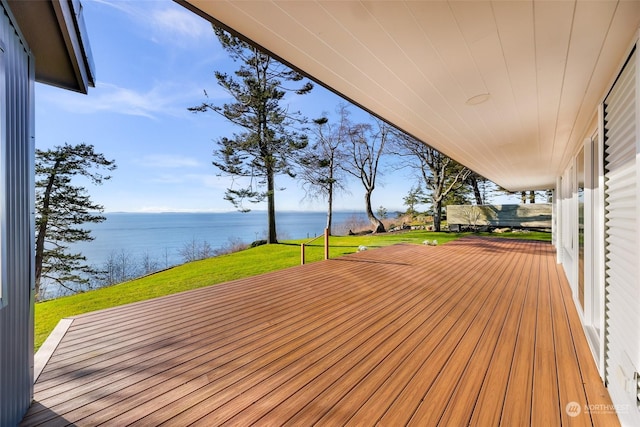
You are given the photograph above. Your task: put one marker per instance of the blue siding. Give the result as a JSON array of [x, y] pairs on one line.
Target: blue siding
[[16, 225]]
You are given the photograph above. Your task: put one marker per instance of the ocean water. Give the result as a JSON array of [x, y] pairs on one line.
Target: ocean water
[[161, 236]]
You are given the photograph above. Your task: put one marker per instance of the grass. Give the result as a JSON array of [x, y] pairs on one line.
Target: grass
[[250, 262]]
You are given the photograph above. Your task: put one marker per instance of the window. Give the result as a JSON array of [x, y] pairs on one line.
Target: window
[[590, 287], [594, 286], [580, 172]]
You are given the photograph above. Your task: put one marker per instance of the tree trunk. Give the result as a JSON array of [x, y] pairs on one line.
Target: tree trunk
[[272, 235], [330, 208], [42, 229], [39, 256], [378, 226], [437, 216], [476, 190]]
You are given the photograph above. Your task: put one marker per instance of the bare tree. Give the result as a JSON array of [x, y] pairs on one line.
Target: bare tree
[[148, 263], [441, 174], [119, 267], [321, 173], [234, 244], [195, 250], [365, 147]]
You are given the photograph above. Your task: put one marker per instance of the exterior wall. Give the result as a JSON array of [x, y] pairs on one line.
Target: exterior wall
[[597, 236], [16, 223], [622, 252]]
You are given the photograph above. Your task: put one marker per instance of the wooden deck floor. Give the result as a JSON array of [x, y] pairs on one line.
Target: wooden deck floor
[[474, 332]]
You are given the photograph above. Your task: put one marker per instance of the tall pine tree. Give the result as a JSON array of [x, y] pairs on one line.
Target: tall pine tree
[[268, 142], [62, 208]]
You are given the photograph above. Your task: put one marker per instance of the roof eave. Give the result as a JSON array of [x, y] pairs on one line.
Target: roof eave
[[56, 35]]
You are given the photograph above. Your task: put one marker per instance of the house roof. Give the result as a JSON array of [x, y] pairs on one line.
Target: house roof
[[56, 34], [508, 88]]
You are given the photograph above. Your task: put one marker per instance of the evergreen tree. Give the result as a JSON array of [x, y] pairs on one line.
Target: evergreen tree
[[268, 143], [474, 181], [414, 197], [61, 210]]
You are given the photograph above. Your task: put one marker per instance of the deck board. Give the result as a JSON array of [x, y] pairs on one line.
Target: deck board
[[488, 404], [478, 331], [460, 405], [516, 409]]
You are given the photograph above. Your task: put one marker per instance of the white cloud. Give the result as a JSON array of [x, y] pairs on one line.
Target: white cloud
[[163, 99], [167, 179], [127, 101], [176, 24], [192, 180], [164, 22], [169, 161], [209, 180]]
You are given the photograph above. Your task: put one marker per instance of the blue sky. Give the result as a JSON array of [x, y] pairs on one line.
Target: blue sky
[[153, 60]]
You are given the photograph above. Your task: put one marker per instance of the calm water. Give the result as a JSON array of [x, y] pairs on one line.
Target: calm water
[[161, 236]]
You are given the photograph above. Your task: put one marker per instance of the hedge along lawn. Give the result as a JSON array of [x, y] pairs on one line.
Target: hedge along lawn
[[211, 271]]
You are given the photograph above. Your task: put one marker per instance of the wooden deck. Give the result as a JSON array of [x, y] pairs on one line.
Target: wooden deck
[[475, 332]]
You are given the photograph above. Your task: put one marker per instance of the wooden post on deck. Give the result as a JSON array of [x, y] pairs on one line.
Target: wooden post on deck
[[302, 254], [326, 243]]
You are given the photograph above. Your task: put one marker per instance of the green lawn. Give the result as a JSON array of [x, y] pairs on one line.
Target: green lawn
[[220, 269]]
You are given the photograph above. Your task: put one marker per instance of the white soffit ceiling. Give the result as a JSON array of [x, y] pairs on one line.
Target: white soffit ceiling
[[545, 65]]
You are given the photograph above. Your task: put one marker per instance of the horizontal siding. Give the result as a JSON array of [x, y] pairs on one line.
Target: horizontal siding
[[16, 207]]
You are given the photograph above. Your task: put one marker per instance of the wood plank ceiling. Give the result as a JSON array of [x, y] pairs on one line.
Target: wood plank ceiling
[[420, 65]]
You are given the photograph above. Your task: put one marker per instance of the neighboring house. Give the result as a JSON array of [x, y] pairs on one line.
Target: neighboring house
[[530, 94], [39, 41]]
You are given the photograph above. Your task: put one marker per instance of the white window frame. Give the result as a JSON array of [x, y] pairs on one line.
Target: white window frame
[[593, 311], [3, 171], [569, 225]]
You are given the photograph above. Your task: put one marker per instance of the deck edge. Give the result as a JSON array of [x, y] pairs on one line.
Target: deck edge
[[45, 351]]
